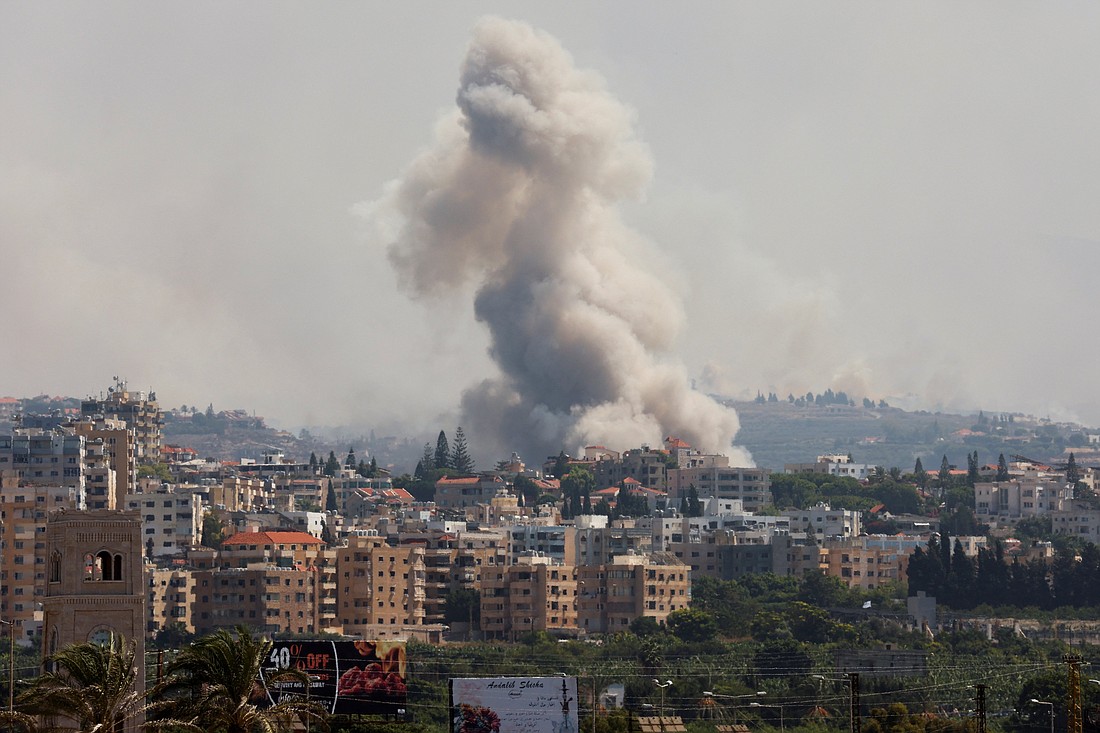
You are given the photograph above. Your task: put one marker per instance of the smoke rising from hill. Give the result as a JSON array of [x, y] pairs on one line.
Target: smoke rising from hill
[[516, 201]]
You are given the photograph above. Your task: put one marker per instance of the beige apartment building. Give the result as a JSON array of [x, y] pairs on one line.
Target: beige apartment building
[[112, 443], [380, 588], [612, 595], [535, 594], [171, 596]]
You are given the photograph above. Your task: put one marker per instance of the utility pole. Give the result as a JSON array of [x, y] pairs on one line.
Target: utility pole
[[853, 684], [1073, 692], [980, 706]]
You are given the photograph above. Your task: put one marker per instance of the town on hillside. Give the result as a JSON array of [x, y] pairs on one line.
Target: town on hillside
[[824, 568]]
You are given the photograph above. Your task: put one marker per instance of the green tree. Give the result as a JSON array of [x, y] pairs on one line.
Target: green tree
[[1002, 469], [577, 487], [156, 470], [463, 605], [692, 625], [694, 506], [350, 461], [944, 474], [90, 685], [331, 505], [211, 684], [442, 457], [460, 454], [213, 531], [332, 464], [1073, 474], [919, 474]]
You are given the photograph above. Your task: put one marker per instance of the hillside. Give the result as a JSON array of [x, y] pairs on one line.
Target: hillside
[[780, 432]]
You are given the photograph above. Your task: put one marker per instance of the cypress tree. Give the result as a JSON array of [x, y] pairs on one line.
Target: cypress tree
[[945, 473], [332, 465], [1073, 475], [919, 474], [427, 460], [1002, 469], [330, 499], [442, 451], [350, 461]]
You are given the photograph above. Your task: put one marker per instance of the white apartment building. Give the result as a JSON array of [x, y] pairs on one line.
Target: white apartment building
[[171, 520], [825, 522]]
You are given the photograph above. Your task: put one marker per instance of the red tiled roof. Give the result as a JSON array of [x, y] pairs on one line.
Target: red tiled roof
[[272, 538]]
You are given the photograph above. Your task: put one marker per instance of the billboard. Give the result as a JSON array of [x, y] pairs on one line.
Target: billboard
[[514, 705], [346, 677]]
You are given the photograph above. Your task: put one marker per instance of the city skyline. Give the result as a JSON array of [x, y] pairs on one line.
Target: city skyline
[[895, 202]]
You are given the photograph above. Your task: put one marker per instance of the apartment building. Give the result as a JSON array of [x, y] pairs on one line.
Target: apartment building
[[458, 493], [171, 595], [863, 565], [535, 594], [833, 465], [171, 521], [138, 410], [112, 443], [824, 522], [648, 467], [750, 486], [380, 587], [1034, 494], [612, 595], [24, 507]]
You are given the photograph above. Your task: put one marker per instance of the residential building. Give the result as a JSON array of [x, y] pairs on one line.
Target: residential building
[[534, 594], [750, 486], [138, 410], [171, 520], [380, 587], [612, 595]]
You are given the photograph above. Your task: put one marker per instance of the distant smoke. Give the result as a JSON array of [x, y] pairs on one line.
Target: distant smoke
[[517, 198]]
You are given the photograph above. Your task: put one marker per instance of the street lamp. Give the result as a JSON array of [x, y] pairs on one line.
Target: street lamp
[[782, 727], [852, 680], [663, 686], [1033, 701]]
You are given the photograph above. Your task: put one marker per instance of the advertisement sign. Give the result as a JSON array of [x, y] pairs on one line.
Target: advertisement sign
[[514, 705], [346, 677]]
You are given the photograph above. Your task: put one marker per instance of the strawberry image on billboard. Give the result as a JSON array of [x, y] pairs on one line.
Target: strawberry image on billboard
[[346, 677]]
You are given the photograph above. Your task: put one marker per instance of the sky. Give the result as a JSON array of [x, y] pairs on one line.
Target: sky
[[896, 200]]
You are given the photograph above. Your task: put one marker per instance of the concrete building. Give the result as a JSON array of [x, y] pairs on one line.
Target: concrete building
[[1035, 494], [458, 493], [610, 596], [833, 465], [171, 521], [171, 595], [535, 594], [751, 486], [380, 587], [138, 410], [24, 507], [824, 522]]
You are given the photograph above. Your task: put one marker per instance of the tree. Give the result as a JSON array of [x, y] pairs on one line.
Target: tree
[[576, 487], [350, 461], [972, 469], [332, 465], [326, 533], [561, 465], [945, 474], [211, 684], [692, 625], [313, 462], [1002, 469], [331, 504], [91, 685], [213, 531], [694, 506], [460, 455], [1073, 474], [442, 457]]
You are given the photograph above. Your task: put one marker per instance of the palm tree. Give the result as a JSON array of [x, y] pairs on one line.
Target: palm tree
[[90, 685], [213, 684]]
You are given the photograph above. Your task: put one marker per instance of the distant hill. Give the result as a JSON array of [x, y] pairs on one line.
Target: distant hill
[[781, 432]]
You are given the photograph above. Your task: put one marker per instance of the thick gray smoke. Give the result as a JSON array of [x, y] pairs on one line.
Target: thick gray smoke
[[517, 198]]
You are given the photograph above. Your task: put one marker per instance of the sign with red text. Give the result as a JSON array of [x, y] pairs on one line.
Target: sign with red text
[[346, 677]]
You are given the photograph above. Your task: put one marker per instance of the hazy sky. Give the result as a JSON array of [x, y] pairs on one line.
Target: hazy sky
[[899, 200]]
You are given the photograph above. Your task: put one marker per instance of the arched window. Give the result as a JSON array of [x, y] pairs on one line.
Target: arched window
[[105, 566], [55, 567], [91, 567]]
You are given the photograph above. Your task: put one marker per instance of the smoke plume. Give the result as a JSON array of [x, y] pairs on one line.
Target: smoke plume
[[517, 201]]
